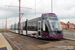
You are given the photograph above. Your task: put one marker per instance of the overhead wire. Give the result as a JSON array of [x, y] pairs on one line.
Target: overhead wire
[[10, 4], [38, 2]]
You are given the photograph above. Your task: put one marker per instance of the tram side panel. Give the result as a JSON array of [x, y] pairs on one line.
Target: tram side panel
[[34, 28]]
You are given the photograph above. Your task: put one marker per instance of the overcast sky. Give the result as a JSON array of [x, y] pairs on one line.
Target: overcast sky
[[64, 9]]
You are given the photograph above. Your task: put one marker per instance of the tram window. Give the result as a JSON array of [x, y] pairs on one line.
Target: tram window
[[22, 25], [29, 26], [43, 25], [39, 24], [11, 27], [45, 28], [34, 26], [39, 29], [24, 28], [15, 27]]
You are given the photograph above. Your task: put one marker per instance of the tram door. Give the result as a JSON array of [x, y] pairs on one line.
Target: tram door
[[39, 28]]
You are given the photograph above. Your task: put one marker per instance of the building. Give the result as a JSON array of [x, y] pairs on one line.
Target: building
[[63, 25], [67, 25]]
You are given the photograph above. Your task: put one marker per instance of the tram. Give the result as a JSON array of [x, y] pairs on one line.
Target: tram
[[47, 27]]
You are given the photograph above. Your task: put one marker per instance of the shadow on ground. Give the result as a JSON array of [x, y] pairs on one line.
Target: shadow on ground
[[4, 48]]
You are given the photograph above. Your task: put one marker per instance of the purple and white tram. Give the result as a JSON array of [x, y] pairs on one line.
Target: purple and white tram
[[47, 26]]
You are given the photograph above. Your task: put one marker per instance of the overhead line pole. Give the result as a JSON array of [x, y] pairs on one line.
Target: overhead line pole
[[19, 12], [51, 7], [19, 16], [35, 7], [2, 25], [6, 25]]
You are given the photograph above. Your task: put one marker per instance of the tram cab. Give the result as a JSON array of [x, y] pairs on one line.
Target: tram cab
[[51, 26]]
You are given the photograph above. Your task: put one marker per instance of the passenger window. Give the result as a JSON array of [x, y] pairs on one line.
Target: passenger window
[[29, 26], [24, 28], [14, 26], [34, 26]]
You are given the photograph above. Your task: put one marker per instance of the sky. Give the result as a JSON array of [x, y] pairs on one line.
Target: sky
[[64, 9]]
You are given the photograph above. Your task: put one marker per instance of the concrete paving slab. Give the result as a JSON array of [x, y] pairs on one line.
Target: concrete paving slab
[[5, 43], [2, 44]]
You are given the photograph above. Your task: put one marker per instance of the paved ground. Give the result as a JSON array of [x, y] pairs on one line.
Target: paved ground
[[2, 44], [69, 34], [29, 43]]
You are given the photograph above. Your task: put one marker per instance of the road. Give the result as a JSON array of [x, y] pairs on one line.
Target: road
[[69, 34], [30, 43]]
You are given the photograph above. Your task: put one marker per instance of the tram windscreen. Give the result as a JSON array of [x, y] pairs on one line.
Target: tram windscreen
[[55, 25], [53, 21]]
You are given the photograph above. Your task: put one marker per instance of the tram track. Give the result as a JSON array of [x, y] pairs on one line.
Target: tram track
[[30, 43], [42, 44], [16, 46], [64, 42], [21, 40]]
